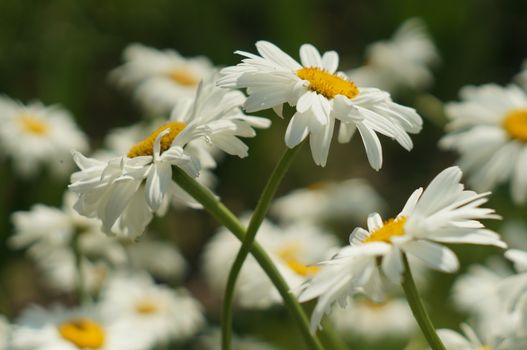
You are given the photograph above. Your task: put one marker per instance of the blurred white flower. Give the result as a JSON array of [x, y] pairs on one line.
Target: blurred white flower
[[490, 340], [34, 136], [521, 78], [401, 62], [4, 332], [489, 130], [62, 329], [294, 249], [158, 313], [349, 200], [212, 341], [321, 96], [373, 321], [160, 79], [124, 192], [443, 213]]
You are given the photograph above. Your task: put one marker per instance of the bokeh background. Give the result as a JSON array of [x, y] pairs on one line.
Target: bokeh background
[[60, 52]]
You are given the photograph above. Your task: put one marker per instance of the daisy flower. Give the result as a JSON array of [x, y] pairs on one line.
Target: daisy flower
[[328, 201], [469, 340], [62, 329], [124, 192], [294, 249], [373, 321], [158, 313], [489, 130], [159, 79], [321, 95], [34, 137], [443, 213], [401, 62], [212, 341]]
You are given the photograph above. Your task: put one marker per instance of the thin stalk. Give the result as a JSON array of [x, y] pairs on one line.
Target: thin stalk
[[256, 220], [330, 337], [82, 294], [418, 309], [227, 219]]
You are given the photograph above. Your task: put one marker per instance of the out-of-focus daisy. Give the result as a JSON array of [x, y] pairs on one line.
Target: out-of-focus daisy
[[489, 130], [331, 201], [159, 313], [212, 341], [491, 340], [294, 249], [62, 329], [443, 213], [373, 321], [124, 192], [401, 62], [321, 96], [4, 332], [159, 79], [34, 136]]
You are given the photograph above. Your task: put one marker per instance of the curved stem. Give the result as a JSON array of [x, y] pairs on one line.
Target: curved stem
[[256, 220], [226, 218], [82, 294], [418, 309]]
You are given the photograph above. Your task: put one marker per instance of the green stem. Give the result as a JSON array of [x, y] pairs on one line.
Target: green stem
[[256, 220], [226, 218], [82, 294], [330, 337], [418, 309]]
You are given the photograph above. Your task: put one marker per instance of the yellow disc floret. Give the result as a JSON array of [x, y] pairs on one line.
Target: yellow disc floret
[[32, 124], [146, 147], [515, 123], [289, 254], [390, 228], [146, 307], [327, 84], [83, 333], [182, 77]]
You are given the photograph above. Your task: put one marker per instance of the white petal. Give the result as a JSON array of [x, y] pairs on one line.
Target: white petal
[[297, 130], [309, 56], [372, 145], [434, 255], [330, 61]]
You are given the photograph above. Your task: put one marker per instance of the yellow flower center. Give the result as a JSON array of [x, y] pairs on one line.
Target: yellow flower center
[[84, 333], [32, 124], [146, 147], [390, 228], [327, 84], [182, 77], [289, 254], [485, 347], [372, 305], [515, 123], [146, 307]]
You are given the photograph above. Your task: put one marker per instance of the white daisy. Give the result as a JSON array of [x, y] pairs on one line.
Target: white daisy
[[34, 136], [373, 321], [469, 340], [401, 62], [321, 95], [125, 192], [160, 79], [159, 313], [328, 201], [443, 213], [294, 249], [489, 130], [62, 329], [212, 341]]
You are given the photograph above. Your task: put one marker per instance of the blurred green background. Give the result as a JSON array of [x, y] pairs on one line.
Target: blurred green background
[[60, 52]]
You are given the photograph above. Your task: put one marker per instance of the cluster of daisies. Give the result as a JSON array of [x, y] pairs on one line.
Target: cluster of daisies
[[130, 286]]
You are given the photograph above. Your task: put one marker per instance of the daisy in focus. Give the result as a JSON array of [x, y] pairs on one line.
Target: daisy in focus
[[401, 62], [443, 213], [321, 95], [158, 313], [125, 192], [35, 137], [62, 329], [294, 249], [159, 79], [489, 130]]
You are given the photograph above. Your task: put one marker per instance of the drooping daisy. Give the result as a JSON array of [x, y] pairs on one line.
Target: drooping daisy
[[373, 321], [491, 340], [212, 341], [489, 130], [62, 329], [321, 96], [401, 62], [331, 201], [443, 213], [34, 137], [159, 313], [294, 250], [159, 79], [125, 192]]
